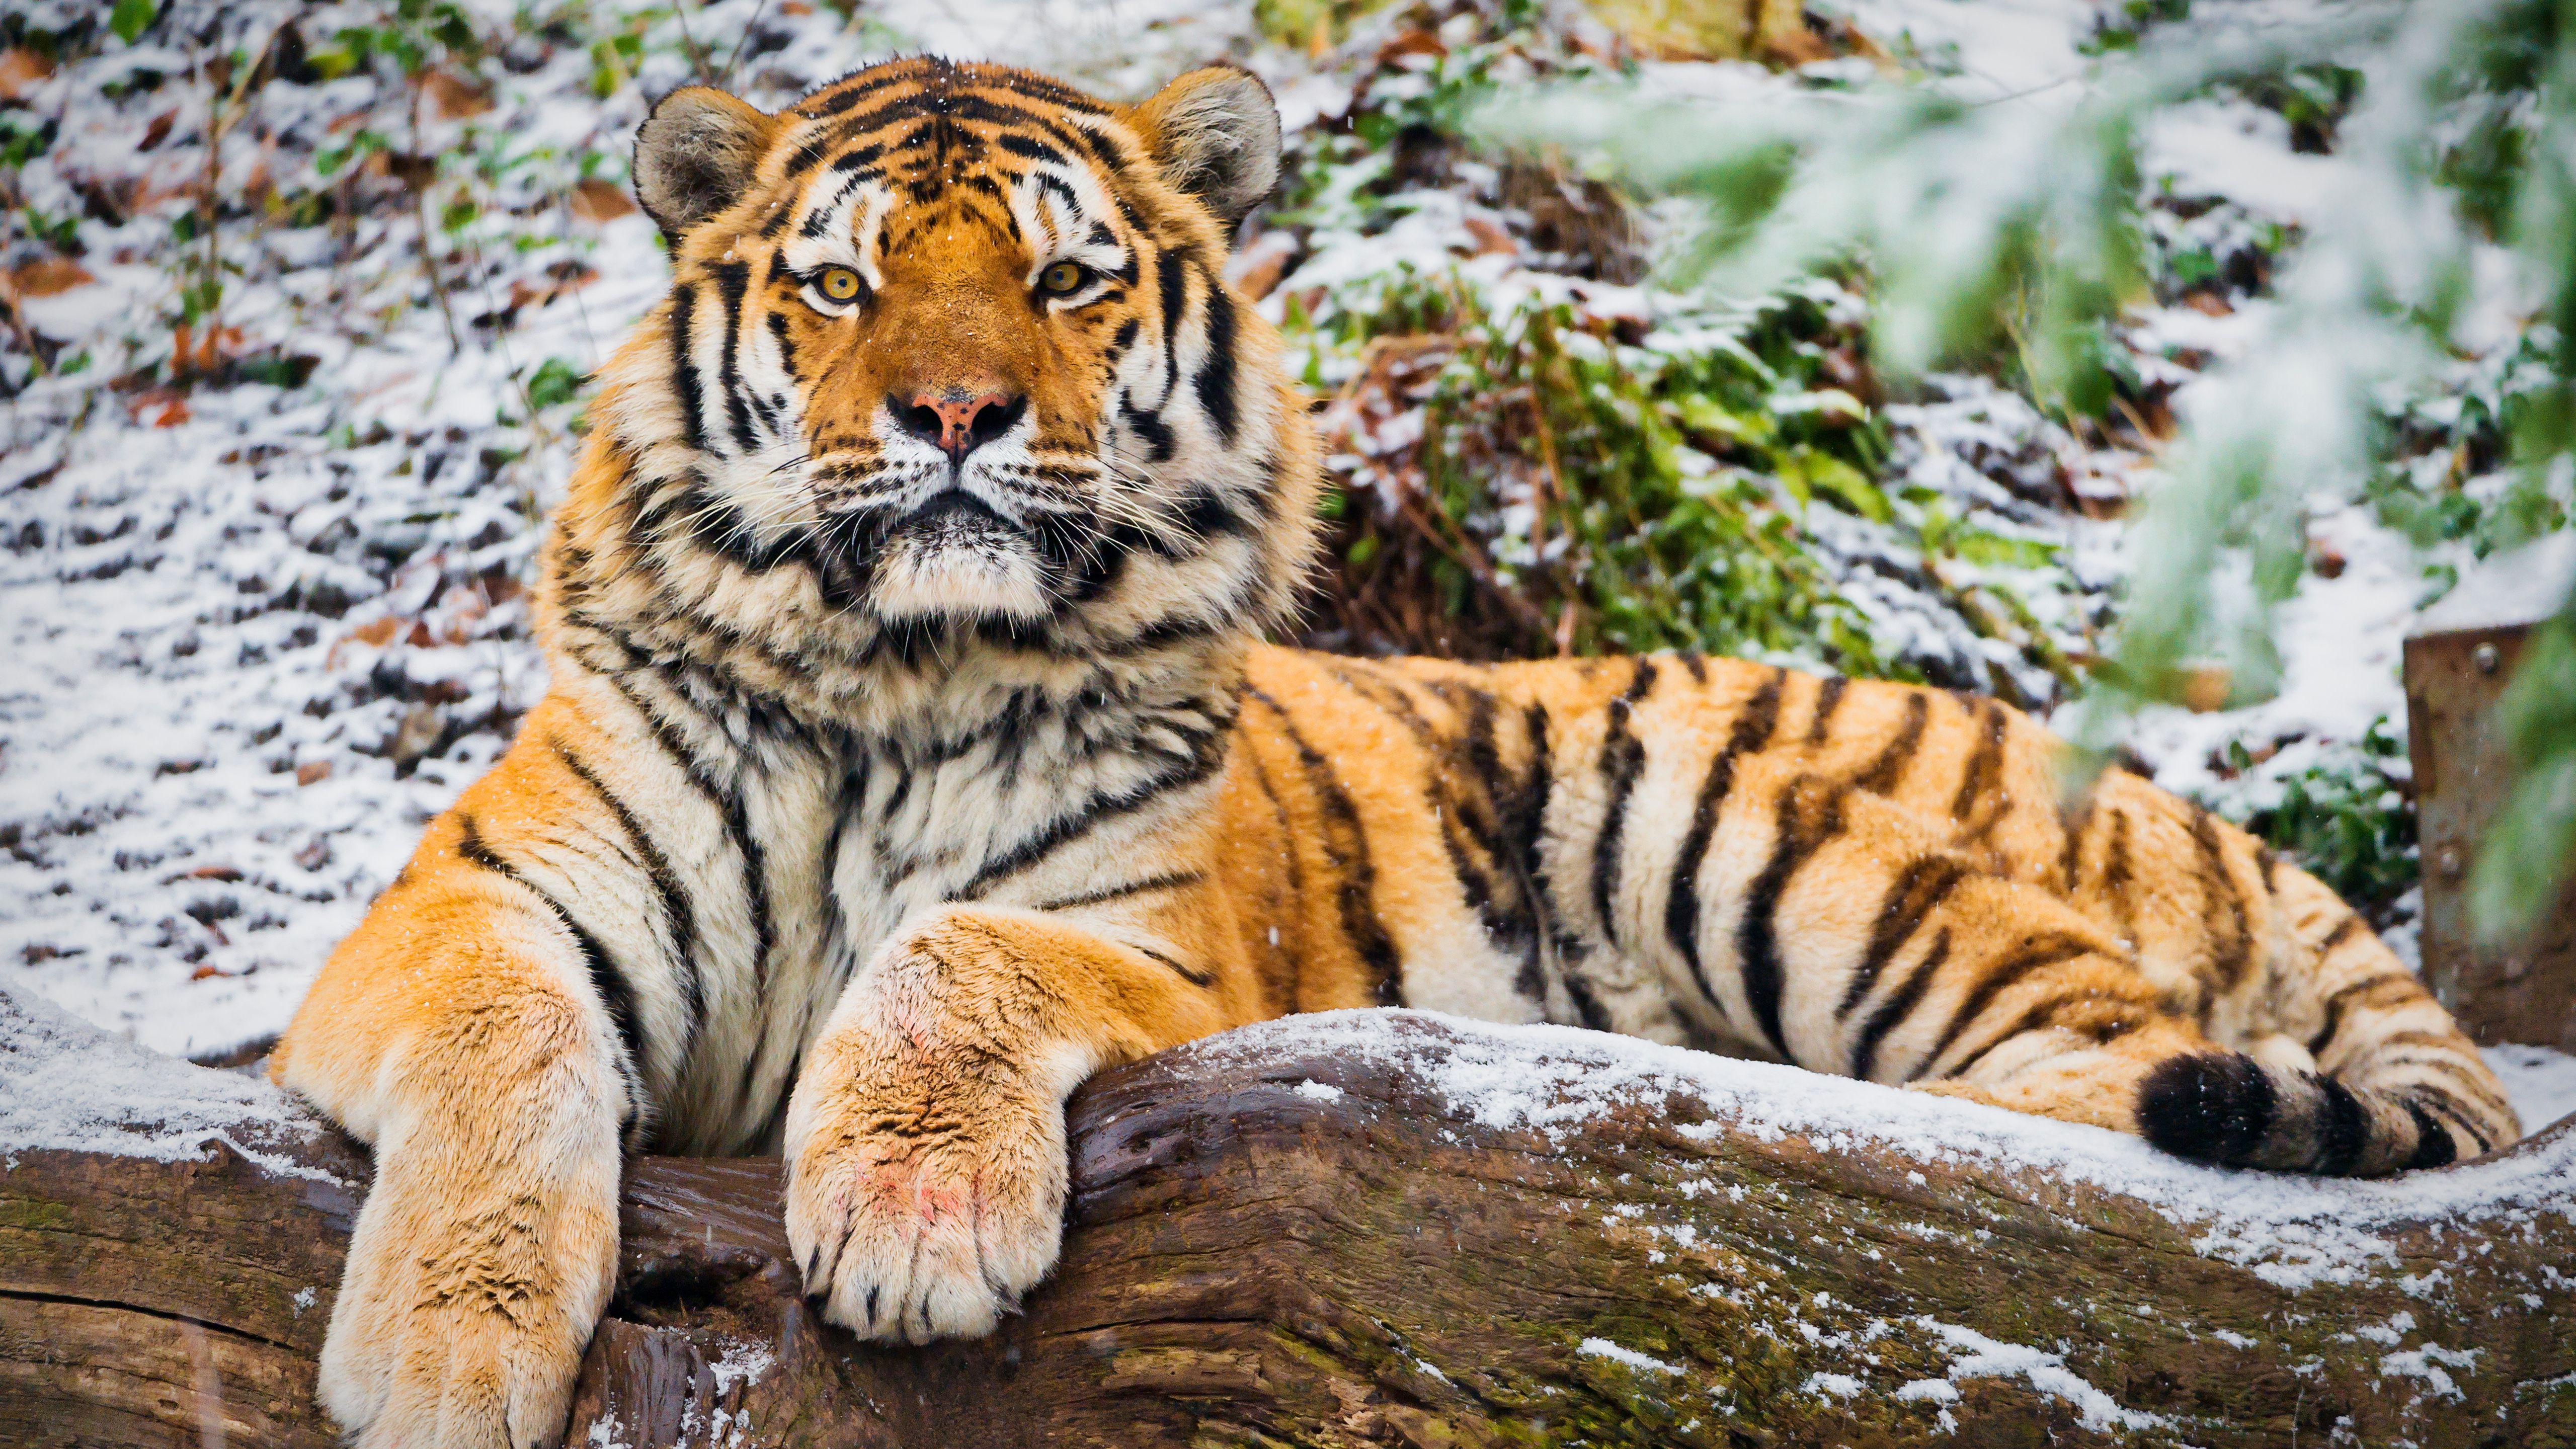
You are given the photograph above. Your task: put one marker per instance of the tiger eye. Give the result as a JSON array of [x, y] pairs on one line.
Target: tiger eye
[[1062, 279], [838, 284]]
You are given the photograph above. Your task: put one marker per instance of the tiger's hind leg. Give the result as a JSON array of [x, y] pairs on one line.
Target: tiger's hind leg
[[2324, 1053]]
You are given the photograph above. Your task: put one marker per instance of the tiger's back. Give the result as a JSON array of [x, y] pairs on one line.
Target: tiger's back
[[1876, 880]]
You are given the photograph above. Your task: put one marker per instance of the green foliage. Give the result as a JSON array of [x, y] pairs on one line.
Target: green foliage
[[2457, 126], [23, 138], [62, 233], [2348, 818], [131, 18], [555, 381]]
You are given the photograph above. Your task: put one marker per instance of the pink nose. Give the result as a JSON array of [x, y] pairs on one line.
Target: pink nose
[[958, 422]]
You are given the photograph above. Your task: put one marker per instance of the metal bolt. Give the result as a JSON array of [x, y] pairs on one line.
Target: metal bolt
[[2449, 860], [2485, 655]]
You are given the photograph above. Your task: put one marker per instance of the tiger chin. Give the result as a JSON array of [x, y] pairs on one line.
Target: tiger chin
[[911, 754]]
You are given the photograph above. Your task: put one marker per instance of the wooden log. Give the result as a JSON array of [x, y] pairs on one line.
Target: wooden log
[[1403, 1230]]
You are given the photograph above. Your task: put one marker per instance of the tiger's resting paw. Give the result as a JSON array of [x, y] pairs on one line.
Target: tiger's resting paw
[[918, 1217], [465, 1330]]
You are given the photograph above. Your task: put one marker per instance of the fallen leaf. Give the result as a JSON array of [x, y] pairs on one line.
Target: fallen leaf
[[453, 97], [1489, 237], [2205, 688], [47, 276], [158, 130], [594, 200], [19, 70], [312, 772], [162, 407]]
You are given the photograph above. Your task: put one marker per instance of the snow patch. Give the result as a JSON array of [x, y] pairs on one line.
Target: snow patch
[[1604, 1348], [67, 1086], [2291, 1231]]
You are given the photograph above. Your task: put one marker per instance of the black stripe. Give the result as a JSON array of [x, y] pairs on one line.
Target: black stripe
[[684, 371], [1806, 824], [1190, 974], [2340, 1001], [1925, 882], [616, 993], [2036, 953], [755, 870], [1346, 846], [733, 283], [1170, 281], [1623, 759], [786, 343], [2209, 1106], [1828, 700], [1984, 773], [1105, 894], [1882, 775], [1145, 425], [2038, 1015], [2433, 1146], [678, 917], [2343, 1129], [1215, 380], [1899, 1005], [2233, 960], [1752, 730], [1206, 757]]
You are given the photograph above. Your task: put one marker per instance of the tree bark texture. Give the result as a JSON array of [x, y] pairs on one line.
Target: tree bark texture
[[1296, 1245]]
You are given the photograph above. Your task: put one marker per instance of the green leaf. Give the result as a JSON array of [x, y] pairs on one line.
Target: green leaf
[[131, 18], [555, 382]]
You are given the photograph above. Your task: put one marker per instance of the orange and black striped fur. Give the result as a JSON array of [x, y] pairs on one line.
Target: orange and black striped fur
[[910, 755]]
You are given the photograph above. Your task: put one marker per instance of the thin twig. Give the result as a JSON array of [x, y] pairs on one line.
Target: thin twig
[[740, 41], [428, 259]]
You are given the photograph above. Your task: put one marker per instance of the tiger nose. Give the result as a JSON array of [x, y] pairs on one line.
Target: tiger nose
[[956, 421]]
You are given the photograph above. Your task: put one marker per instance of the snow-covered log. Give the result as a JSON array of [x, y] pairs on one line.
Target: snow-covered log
[[1371, 1229]]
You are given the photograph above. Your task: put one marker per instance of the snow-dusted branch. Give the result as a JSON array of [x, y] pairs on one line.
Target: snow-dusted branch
[[1376, 1228]]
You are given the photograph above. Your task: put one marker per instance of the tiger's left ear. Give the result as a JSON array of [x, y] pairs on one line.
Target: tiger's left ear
[[1215, 133], [695, 155]]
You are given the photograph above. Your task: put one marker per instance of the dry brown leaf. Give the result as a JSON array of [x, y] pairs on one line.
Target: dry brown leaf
[[453, 98], [1489, 237], [595, 200], [46, 277], [2205, 688], [20, 69], [312, 772]]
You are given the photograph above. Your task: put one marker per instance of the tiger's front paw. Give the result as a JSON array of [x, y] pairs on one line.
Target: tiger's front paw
[[923, 1210], [462, 1325]]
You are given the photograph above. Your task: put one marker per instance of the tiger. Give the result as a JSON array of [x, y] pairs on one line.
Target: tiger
[[912, 751]]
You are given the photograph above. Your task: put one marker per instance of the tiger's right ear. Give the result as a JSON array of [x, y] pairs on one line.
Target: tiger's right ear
[[695, 155]]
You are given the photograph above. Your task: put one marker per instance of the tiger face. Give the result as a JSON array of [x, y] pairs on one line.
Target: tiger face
[[949, 354]]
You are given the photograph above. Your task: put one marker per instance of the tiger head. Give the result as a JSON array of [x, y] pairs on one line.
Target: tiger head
[[948, 357]]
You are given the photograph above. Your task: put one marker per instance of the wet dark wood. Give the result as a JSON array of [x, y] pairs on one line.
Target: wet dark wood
[[1251, 1264]]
